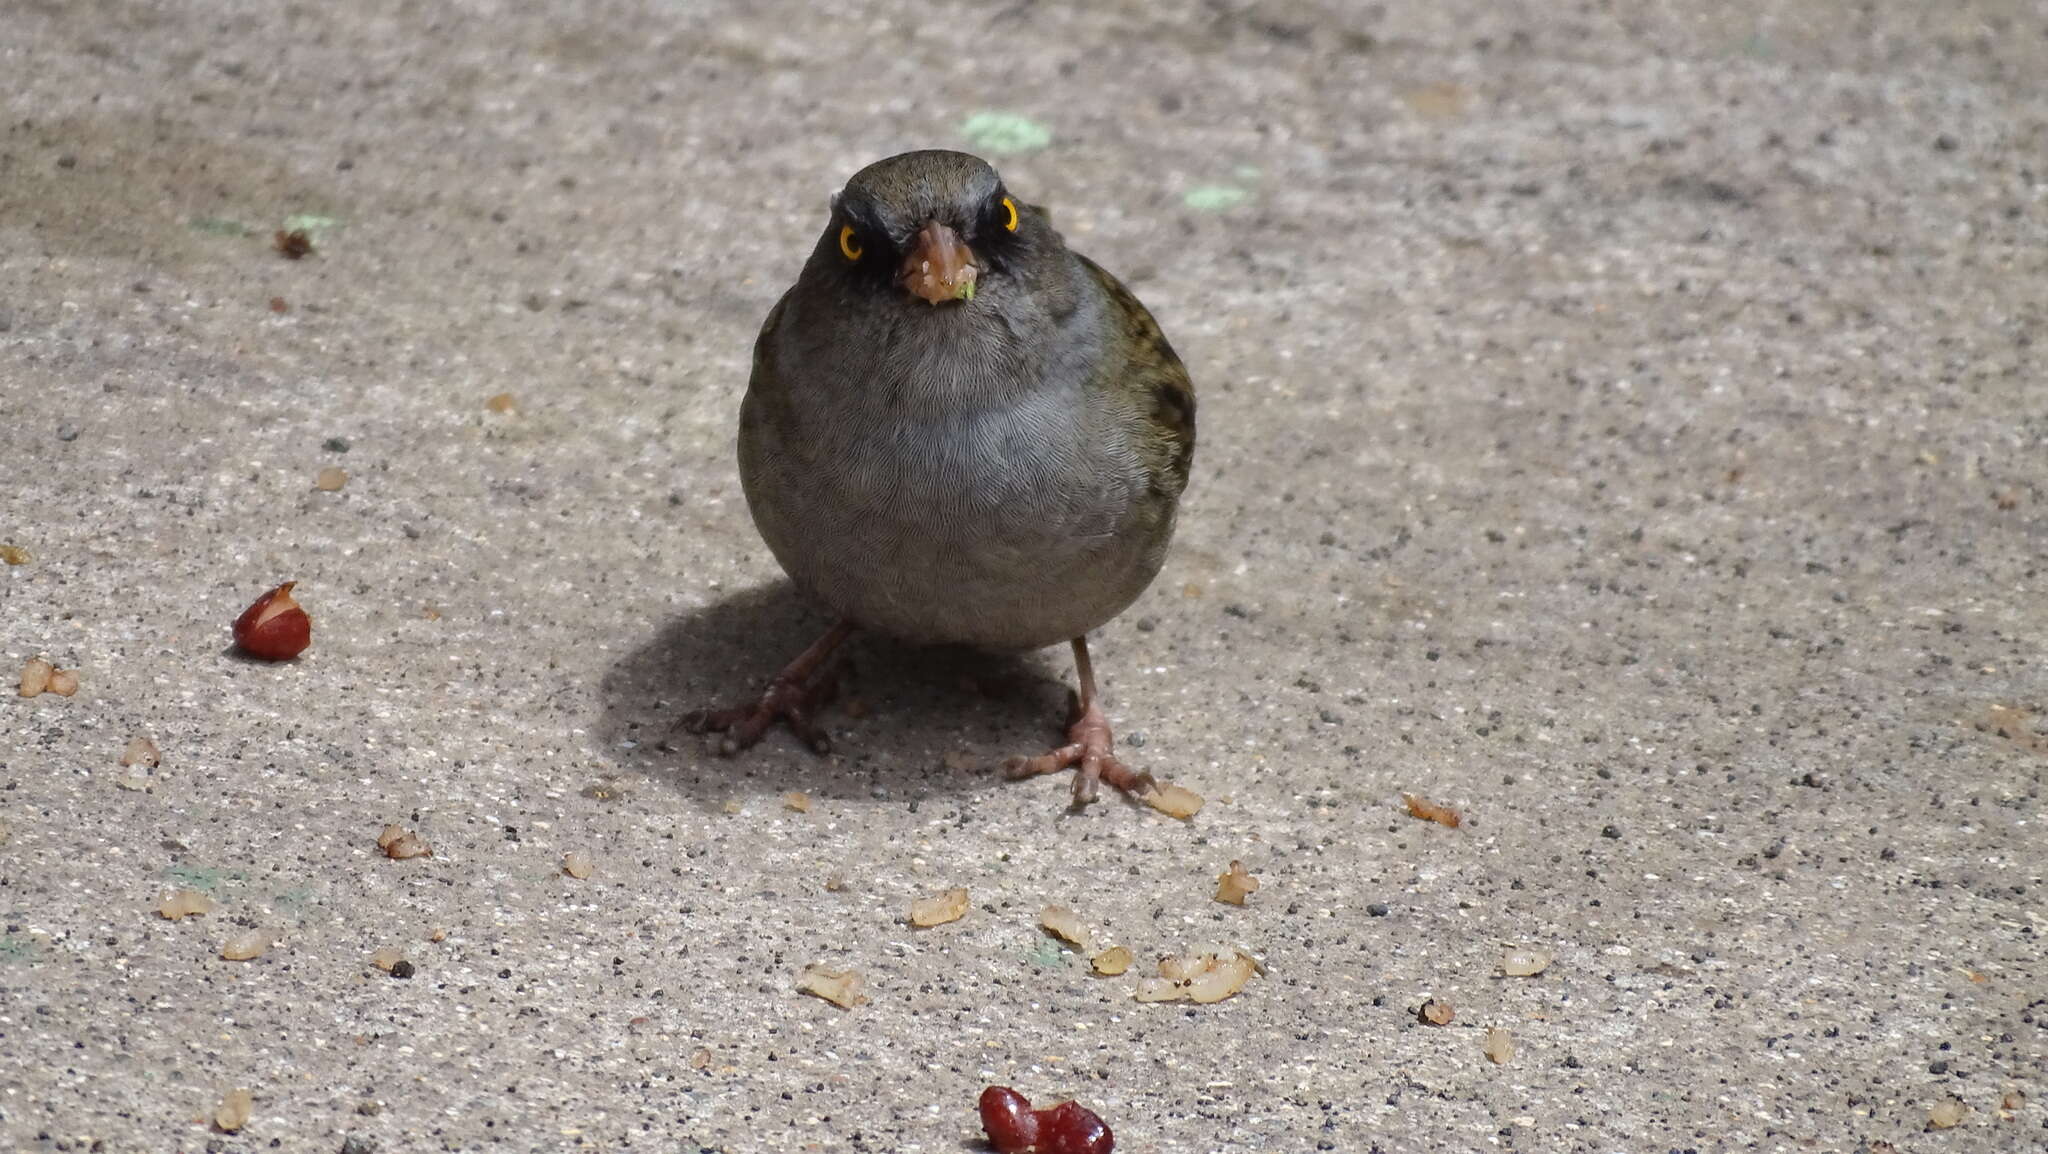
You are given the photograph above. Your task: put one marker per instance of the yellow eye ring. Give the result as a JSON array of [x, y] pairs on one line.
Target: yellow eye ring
[[1010, 206], [848, 247]]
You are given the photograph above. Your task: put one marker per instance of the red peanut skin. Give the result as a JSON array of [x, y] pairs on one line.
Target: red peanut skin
[[282, 637], [1013, 1127], [1008, 1120]]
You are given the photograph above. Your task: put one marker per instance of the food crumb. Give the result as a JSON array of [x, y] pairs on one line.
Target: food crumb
[[399, 844], [1946, 1114], [143, 752], [330, 479], [1524, 963], [842, 988], [797, 800], [1428, 810], [1064, 924], [1207, 975], [939, 909], [1173, 801], [234, 1110], [1435, 1012], [184, 904], [1112, 961], [245, 946], [1234, 884], [14, 555], [64, 682], [294, 244], [578, 865], [1499, 1048], [387, 957], [501, 403], [35, 677]]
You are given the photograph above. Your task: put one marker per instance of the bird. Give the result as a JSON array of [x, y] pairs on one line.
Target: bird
[[960, 431]]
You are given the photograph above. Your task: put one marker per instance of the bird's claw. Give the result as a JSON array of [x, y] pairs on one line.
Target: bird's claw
[[1090, 748], [786, 699]]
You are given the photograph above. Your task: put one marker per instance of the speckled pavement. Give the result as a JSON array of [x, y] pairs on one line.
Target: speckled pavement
[[1623, 423]]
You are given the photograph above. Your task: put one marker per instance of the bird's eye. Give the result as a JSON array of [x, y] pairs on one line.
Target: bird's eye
[[1010, 207], [849, 247]]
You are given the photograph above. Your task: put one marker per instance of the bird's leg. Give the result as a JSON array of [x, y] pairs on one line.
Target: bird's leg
[[1089, 746], [791, 696]]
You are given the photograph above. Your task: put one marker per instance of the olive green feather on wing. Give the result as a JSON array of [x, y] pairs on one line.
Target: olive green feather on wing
[[1152, 373]]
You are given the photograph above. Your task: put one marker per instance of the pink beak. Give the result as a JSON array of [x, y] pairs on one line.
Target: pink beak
[[940, 266]]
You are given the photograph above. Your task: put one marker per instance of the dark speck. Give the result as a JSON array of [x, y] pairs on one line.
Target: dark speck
[[67, 432], [401, 969], [1377, 909], [1612, 831], [335, 444]]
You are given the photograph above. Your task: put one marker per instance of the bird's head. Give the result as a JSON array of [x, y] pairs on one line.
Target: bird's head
[[931, 228]]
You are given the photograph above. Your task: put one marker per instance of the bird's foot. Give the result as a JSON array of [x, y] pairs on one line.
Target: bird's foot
[[1090, 748], [793, 696], [788, 700]]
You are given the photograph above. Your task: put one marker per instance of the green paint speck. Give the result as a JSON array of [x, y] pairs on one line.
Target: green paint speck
[[218, 226], [1215, 197], [310, 224], [1047, 955], [196, 877], [1005, 133], [16, 948]]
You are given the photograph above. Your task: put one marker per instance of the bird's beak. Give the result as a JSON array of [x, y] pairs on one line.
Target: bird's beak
[[940, 267]]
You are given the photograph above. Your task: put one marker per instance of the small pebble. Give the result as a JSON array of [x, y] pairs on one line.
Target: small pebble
[[67, 432]]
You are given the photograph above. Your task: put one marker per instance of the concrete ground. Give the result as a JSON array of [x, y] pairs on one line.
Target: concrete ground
[[1623, 422]]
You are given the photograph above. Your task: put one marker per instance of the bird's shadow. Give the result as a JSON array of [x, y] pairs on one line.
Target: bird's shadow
[[907, 721]]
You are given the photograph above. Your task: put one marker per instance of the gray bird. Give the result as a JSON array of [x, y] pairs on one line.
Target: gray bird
[[958, 430]]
